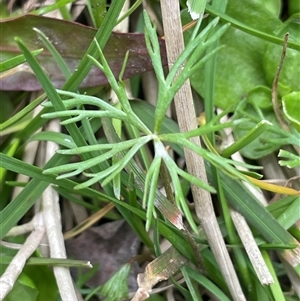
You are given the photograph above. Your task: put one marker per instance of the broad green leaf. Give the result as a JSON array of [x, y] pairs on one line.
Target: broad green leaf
[[238, 63], [24, 289], [294, 7], [4, 13], [291, 108], [249, 29], [71, 41], [261, 97], [274, 6], [44, 281]]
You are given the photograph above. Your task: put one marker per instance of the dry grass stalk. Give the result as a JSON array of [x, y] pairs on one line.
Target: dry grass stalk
[[187, 121], [52, 218]]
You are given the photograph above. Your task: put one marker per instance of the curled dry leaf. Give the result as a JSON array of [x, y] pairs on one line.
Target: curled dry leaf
[[162, 268], [71, 40]]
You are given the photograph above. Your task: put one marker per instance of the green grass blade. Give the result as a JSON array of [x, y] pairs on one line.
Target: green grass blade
[[16, 209], [253, 134], [262, 35], [254, 212], [58, 58], [210, 286], [15, 61], [17, 117], [50, 8], [102, 37]]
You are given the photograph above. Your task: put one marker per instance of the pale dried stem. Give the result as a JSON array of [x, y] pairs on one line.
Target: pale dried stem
[[273, 170], [187, 121], [170, 295], [254, 254], [16, 266], [243, 228], [52, 218], [29, 152], [23, 229], [11, 245], [35, 226]]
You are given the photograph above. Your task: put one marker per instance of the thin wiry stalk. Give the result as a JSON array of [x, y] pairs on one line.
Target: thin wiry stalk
[[195, 164], [9, 277]]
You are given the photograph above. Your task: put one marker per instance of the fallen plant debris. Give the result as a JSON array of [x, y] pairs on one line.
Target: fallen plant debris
[[71, 40]]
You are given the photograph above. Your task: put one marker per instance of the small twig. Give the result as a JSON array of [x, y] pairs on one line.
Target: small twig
[[275, 101], [16, 266], [23, 229], [10, 245]]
